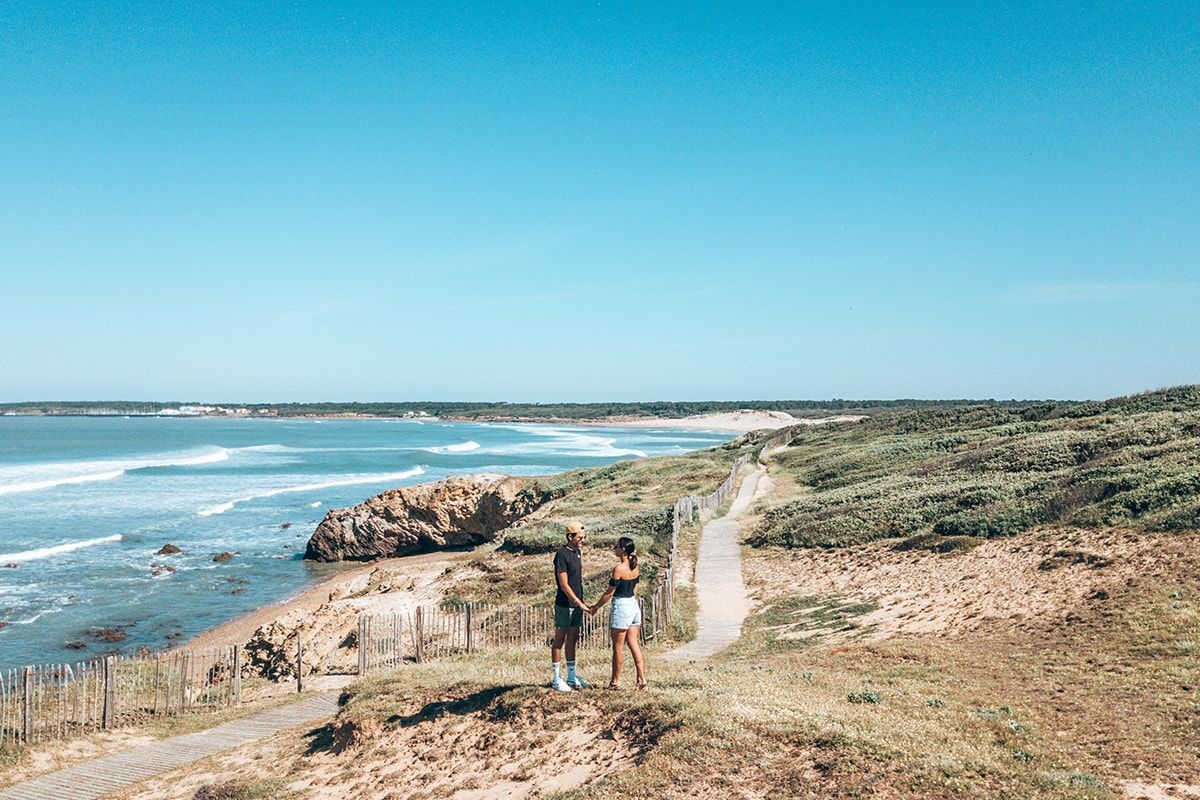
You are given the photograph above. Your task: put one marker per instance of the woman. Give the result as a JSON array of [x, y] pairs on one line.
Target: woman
[[626, 621]]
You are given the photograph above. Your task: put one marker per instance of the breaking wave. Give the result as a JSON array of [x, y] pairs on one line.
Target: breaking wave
[[35, 477], [221, 508], [565, 443], [50, 552], [464, 447]]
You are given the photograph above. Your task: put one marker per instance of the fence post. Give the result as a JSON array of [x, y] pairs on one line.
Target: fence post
[[237, 674], [419, 634], [27, 718], [362, 644], [470, 637], [185, 667], [109, 691], [299, 662]]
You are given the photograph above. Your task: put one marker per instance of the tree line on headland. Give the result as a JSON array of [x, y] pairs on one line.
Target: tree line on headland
[[491, 410]]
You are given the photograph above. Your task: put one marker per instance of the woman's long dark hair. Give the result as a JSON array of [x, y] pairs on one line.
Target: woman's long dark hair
[[630, 549]]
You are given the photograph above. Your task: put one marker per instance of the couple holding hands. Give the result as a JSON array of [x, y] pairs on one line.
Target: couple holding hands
[[569, 609]]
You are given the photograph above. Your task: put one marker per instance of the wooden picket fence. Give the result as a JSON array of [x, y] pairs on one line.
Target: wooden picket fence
[[429, 632], [59, 701]]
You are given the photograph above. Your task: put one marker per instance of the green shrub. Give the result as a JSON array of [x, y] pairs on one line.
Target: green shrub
[[868, 696], [1005, 521], [939, 543], [540, 537], [243, 790]]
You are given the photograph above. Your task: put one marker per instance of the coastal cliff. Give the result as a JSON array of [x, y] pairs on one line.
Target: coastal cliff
[[455, 512]]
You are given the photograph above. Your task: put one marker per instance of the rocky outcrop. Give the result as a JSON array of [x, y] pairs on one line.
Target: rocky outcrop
[[455, 512], [328, 635]]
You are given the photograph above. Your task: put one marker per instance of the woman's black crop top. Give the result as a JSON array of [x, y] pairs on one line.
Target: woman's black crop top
[[624, 587]]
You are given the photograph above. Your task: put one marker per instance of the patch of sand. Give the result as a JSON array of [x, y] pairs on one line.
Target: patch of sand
[[999, 583], [1159, 791]]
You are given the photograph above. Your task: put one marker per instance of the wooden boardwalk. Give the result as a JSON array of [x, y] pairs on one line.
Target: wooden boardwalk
[[720, 591], [92, 780]]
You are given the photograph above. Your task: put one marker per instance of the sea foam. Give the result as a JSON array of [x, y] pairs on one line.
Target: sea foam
[[464, 447], [50, 552], [35, 477], [221, 508], [565, 442]]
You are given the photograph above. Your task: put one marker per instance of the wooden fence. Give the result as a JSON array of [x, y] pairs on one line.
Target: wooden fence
[[430, 632], [784, 437], [59, 701], [386, 641]]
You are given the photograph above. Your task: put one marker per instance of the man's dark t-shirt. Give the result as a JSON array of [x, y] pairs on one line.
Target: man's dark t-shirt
[[568, 561]]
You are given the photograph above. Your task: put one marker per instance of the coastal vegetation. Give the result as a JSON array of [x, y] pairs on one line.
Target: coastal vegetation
[[942, 477]]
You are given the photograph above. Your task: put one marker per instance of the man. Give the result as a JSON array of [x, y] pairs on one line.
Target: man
[[569, 608]]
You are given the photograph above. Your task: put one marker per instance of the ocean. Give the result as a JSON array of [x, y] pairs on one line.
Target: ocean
[[85, 502]]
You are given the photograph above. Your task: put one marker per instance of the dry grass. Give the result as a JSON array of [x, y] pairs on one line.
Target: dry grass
[[1070, 711]]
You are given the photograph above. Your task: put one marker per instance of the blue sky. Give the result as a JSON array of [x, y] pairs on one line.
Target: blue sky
[[270, 202]]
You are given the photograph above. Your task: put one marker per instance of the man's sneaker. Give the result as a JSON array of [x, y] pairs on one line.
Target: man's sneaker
[[578, 683], [559, 685]]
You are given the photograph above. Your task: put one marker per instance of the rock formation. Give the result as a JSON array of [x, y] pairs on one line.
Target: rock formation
[[458, 511]]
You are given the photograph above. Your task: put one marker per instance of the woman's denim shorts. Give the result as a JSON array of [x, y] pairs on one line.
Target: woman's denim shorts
[[625, 613]]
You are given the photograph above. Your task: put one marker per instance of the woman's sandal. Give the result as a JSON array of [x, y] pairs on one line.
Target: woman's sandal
[[612, 687], [641, 687]]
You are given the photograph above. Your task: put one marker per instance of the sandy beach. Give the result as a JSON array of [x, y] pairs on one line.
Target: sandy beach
[[733, 421]]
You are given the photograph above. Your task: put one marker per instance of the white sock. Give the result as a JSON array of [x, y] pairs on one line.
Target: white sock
[[570, 670], [557, 671]]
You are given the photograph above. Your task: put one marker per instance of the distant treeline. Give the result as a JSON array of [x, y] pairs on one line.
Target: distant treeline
[[493, 410]]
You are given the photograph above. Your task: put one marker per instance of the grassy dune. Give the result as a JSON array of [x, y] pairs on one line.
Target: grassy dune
[[983, 472]]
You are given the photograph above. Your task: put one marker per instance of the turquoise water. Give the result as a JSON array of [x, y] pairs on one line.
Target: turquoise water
[[86, 501]]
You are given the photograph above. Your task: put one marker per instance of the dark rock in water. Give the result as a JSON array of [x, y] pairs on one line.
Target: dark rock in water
[[75, 644], [160, 569], [286, 525], [221, 558], [167, 550], [238, 591], [3, 624], [465, 510], [174, 635], [11, 565], [111, 635]]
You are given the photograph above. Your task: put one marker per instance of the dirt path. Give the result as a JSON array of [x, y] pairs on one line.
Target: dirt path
[[94, 779], [721, 593]]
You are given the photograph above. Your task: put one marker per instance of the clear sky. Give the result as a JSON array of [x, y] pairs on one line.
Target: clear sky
[[356, 201]]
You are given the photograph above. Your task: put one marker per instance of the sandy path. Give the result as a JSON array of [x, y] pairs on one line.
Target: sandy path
[[721, 593]]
